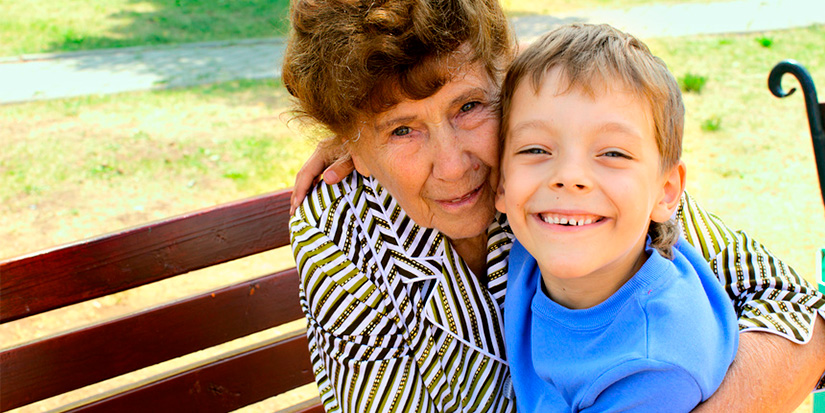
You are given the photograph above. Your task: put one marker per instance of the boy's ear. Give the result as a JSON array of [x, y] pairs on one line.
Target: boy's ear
[[672, 189], [500, 195]]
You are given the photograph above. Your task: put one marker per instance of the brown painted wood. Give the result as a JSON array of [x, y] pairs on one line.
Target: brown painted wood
[[63, 363], [220, 386], [116, 262], [318, 408]]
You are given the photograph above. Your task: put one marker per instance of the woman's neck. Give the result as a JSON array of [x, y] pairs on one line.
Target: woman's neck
[[474, 253]]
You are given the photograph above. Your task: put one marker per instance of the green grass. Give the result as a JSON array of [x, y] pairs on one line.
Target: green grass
[[754, 167], [521, 7], [78, 167], [690, 82], [35, 26], [712, 124]]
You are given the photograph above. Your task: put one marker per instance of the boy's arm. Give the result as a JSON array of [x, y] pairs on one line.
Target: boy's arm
[[770, 374], [772, 302]]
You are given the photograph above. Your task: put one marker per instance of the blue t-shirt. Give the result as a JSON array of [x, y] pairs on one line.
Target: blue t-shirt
[[661, 343]]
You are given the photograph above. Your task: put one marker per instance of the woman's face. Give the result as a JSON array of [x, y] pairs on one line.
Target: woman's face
[[438, 156]]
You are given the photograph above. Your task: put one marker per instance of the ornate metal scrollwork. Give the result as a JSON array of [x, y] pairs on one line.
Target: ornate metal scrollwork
[[816, 110]]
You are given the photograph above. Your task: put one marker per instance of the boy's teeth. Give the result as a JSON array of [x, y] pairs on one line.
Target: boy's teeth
[[569, 220]]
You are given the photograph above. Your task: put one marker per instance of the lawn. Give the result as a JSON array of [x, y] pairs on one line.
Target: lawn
[[75, 168], [158, 153], [522, 7], [756, 170], [36, 26]]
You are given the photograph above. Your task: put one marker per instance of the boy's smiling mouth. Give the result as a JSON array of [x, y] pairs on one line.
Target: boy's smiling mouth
[[572, 220]]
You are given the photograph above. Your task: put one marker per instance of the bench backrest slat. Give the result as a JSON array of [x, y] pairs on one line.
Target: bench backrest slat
[[70, 361], [124, 260], [221, 386], [116, 262]]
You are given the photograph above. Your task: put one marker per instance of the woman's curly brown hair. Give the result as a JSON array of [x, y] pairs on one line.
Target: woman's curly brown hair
[[350, 58]]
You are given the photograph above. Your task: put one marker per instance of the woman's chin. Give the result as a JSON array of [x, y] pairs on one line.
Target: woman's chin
[[468, 224]]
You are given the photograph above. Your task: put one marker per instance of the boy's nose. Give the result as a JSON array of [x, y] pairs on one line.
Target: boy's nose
[[571, 175], [577, 186]]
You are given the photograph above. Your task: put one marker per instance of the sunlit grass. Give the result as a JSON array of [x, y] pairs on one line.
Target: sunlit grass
[[164, 152], [79, 167], [753, 165], [519, 7], [35, 26]]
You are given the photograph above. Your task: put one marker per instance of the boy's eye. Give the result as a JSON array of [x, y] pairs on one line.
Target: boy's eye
[[469, 106], [401, 131], [616, 154], [533, 151]]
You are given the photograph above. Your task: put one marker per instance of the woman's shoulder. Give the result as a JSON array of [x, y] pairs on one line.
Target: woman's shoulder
[[324, 194], [324, 199]]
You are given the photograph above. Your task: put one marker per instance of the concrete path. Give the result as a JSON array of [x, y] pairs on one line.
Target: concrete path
[[49, 76], [740, 16]]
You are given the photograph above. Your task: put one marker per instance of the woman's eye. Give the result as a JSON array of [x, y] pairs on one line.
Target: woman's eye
[[469, 106], [401, 131]]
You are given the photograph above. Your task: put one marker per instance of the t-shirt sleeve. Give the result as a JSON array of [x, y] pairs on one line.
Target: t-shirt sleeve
[[642, 386]]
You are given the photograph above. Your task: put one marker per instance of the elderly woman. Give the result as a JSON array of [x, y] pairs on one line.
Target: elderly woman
[[404, 262]]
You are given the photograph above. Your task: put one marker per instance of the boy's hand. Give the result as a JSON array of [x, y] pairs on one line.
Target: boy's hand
[[326, 159]]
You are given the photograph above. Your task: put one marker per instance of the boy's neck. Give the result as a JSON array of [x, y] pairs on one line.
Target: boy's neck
[[592, 289]]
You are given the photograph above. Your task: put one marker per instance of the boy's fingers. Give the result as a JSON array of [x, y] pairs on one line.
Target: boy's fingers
[[338, 170], [306, 176], [302, 184], [327, 159]]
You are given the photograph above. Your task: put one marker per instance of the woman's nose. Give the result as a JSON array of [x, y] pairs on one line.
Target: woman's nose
[[450, 160]]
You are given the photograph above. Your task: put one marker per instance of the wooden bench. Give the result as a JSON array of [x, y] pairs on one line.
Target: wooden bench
[[116, 262]]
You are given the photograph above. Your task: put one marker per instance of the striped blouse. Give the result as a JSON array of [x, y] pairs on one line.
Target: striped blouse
[[397, 322]]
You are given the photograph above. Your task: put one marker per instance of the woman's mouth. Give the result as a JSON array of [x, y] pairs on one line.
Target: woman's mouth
[[464, 199], [572, 220]]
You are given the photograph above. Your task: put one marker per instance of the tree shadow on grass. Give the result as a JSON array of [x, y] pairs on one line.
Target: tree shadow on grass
[[183, 21], [184, 30]]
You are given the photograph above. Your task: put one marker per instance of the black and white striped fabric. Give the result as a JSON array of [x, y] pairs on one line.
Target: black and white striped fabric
[[398, 323]]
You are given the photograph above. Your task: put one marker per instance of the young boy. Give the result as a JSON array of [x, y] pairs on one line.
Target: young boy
[[603, 312]]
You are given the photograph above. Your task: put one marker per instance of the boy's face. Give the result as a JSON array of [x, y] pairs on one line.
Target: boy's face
[[592, 162]]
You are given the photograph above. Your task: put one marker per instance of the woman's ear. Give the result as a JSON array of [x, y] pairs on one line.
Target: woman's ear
[[500, 195], [359, 164], [357, 159], [672, 189]]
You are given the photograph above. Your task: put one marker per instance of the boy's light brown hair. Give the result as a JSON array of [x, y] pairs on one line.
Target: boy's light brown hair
[[600, 55]]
